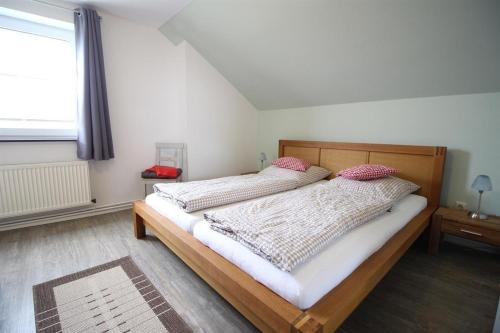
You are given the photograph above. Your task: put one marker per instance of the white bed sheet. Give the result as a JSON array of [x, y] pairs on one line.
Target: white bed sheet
[[310, 281], [187, 221], [172, 212]]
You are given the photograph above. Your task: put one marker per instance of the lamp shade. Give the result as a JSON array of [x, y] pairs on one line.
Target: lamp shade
[[263, 156], [482, 183]]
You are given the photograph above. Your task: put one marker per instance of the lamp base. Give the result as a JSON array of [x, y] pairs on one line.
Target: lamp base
[[478, 216]]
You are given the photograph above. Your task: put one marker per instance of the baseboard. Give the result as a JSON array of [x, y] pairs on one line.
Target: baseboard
[[63, 216]]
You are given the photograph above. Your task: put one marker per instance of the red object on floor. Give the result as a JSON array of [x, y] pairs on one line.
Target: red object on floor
[[164, 171]]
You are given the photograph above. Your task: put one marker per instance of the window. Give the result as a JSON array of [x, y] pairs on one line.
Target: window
[[37, 78]]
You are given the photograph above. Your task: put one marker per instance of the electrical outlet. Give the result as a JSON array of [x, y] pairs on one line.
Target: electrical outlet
[[461, 205]]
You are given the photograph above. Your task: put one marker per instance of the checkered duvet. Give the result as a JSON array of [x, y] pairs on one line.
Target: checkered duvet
[[288, 228], [198, 195]]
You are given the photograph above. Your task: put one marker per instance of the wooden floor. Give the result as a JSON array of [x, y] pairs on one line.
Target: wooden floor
[[456, 291]]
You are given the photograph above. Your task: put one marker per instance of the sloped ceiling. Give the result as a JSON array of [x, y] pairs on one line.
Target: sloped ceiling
[[295, 53]]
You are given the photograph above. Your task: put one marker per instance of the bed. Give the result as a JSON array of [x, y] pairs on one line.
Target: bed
[[267, 310]]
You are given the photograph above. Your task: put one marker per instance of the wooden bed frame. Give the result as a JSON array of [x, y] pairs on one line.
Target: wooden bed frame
[[266, 310]]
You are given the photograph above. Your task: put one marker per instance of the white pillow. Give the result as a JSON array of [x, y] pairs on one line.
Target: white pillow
[[303, 178], [390, 187]]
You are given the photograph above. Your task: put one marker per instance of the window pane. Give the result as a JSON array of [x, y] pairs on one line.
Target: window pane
[[37, 82]]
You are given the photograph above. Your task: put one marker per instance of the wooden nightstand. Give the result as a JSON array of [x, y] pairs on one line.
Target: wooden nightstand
[[458, 223]]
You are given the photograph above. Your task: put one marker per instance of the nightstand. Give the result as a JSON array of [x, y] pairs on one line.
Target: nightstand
[[249, 173], [458, 223]]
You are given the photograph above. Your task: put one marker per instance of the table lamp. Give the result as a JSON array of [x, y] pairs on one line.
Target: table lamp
[[263, 158], [481, 183]]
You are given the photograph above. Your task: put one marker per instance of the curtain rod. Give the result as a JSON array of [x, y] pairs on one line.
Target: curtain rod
[[75, 10], [46, 3]]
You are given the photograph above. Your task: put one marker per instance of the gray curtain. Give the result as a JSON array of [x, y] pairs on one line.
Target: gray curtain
[[94, 129]]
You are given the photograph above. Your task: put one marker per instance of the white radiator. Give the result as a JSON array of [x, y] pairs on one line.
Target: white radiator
[[35, 188]]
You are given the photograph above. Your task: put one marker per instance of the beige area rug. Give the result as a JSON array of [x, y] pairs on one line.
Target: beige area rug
[[114, 297]]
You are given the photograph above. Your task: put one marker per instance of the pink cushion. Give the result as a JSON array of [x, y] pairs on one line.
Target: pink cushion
[[367, 171], [292, 163]]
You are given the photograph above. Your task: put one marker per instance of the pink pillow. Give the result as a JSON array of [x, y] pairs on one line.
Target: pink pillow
[[292, 163], [367, 171]]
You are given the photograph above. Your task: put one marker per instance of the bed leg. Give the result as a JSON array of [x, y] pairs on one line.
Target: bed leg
[[139, 227], [306, 324]]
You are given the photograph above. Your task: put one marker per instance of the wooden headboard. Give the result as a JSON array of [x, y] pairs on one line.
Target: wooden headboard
[[422, 165]]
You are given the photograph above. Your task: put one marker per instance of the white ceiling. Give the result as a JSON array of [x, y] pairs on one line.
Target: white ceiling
[[149, 12]]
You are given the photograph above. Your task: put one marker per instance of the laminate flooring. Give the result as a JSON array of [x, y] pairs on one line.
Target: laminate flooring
[[456, 291]]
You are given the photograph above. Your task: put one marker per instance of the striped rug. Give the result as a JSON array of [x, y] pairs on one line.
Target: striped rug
[[114, 297]]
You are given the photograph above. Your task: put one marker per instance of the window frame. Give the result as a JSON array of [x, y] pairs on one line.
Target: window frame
[[45, 27]]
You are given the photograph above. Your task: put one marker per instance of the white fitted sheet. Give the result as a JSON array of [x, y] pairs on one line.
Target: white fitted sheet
[[173, 212], [310, 281], [185, 220]]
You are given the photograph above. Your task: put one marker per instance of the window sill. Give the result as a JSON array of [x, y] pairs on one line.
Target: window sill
[[36, 139]]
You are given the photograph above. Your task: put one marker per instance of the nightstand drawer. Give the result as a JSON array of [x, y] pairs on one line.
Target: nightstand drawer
[[471, 232]]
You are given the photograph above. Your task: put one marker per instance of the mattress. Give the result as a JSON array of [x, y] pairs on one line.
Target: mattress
[[173, 212], [310, 281], [185, 220]]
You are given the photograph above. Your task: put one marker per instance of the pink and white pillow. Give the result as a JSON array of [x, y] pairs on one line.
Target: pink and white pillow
[[390, 187], [366, 172], [303, 178], [292, 163]]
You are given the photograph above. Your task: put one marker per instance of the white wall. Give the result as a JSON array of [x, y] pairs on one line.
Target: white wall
[[221, 123], [469, 125], [144, 101], [147, 80]]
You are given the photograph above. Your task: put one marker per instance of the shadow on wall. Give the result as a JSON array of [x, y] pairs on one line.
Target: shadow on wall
[[457, 168]]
